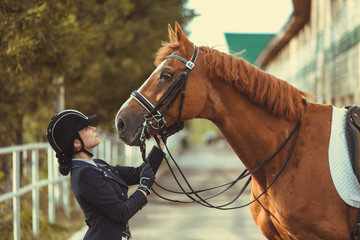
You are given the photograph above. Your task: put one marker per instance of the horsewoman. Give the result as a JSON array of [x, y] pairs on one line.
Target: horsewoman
[[100, 189]]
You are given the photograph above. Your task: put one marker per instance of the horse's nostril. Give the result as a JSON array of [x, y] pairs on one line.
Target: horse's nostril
[[120, 125]]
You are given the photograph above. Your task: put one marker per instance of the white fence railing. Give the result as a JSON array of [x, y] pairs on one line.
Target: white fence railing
[[110, 149]]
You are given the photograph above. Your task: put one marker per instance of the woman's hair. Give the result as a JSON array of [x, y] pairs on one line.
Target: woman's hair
[[65, 157], [64, 160]]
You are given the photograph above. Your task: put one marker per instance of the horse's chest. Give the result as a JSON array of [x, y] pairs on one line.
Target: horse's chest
[[269, 226], [275, 222]]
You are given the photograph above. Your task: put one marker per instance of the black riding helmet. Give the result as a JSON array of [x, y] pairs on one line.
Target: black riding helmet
[[63, 129]]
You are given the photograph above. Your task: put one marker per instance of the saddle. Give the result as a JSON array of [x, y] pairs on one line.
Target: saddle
[[352, 132]]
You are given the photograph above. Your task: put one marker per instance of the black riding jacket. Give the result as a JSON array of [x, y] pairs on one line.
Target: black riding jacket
[[102, 195]]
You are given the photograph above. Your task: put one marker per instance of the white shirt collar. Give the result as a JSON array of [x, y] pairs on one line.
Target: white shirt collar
[[86, 161]]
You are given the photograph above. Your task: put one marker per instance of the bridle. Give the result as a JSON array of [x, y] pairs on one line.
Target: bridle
[[155, 119]]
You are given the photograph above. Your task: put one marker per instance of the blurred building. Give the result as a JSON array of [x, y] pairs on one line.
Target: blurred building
[[247, 45], [318, 50]]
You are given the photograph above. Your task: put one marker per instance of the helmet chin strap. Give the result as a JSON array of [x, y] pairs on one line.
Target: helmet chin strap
[[82, 147]]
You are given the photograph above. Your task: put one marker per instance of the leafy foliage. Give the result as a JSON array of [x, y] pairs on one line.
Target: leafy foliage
[[103, 49], [121, 55]]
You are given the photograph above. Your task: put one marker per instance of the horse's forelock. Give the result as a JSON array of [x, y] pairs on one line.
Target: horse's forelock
[[166, 49]]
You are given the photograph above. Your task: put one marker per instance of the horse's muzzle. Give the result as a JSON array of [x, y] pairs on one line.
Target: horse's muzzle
[[129, 129], [120, 126]]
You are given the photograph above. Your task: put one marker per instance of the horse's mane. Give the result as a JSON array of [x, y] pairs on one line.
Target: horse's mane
[[278, 96]]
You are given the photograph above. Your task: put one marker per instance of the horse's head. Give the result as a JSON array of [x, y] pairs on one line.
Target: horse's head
[[174, 92]]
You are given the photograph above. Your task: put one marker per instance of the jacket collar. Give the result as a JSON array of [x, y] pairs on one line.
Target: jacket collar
[[75, 163]]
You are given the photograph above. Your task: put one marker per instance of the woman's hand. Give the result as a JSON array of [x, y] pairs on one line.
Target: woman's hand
[[147, 178]]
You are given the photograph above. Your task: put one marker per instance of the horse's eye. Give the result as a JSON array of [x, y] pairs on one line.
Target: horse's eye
[[166, 76]]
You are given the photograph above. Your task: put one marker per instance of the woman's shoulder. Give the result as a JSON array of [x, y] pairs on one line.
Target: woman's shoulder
[[86, 172], [100, 161]]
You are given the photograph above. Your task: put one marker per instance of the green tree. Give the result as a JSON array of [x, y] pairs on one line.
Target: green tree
[[121, 56], [34, 36], [102, 48]]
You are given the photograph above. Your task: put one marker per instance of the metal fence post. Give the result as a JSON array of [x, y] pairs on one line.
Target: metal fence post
[[66, 196], [114, 153], [128, 155], [56, 186], [107, 152], [35, 191], [16, 197], [51, 203]]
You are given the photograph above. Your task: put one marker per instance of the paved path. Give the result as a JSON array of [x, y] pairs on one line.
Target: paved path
[[204, 167]]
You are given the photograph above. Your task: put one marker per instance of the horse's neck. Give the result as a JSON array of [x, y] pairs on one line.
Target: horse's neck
[[253, 132]]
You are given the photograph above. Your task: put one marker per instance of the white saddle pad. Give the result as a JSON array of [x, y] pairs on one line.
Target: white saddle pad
[[343, 176]]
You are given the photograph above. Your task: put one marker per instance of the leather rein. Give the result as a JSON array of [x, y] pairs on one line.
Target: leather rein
[[154, 119]]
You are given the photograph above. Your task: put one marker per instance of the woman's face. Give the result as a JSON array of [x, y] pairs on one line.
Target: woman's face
[[89, 137]]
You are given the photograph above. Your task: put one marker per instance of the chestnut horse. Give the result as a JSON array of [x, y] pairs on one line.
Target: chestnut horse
[[256, 112]]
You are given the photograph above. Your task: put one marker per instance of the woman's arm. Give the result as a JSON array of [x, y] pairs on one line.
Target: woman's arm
[[95, 190], [131, 175]]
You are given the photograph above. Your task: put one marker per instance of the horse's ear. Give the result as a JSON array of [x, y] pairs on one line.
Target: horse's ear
[[172, 34], [185, 45]]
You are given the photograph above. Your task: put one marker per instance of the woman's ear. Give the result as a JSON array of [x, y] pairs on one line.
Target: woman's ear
[[77, 144]]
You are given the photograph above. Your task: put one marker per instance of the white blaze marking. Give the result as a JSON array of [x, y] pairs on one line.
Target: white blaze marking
[[126, 104]]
